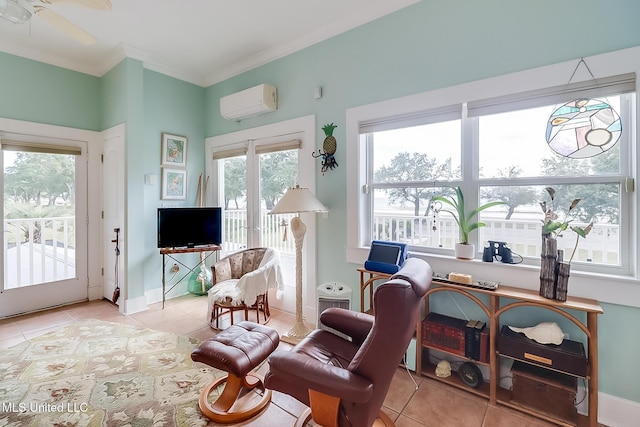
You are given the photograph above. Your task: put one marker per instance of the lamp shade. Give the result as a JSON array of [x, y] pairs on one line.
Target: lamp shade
[[297, 200]]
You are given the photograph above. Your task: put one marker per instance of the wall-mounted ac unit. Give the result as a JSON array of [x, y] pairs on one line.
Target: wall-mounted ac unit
[[249, 102], [333, 294]]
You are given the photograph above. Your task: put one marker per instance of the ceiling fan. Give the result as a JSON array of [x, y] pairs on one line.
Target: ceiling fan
[[21, 11]]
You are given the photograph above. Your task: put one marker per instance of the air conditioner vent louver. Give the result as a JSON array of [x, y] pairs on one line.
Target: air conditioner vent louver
[[249, 102], [332, 294]]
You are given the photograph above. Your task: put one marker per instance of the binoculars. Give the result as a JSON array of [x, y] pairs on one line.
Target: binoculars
[[497, 250]]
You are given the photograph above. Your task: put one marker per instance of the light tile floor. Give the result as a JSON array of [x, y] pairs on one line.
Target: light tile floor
[[412, 401]]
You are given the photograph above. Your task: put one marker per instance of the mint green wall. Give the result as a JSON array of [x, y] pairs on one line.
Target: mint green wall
[[175, 107], [137, 150], [37, 92], [430, 45], [618, 344], [151, 103], [113, 96], [123, 102]]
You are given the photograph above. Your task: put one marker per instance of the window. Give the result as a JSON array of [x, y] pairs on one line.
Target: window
[[495, 149], [39, 213], [405, 164]]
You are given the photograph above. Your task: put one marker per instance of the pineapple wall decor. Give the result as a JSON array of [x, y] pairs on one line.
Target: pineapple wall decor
[[329, 147]]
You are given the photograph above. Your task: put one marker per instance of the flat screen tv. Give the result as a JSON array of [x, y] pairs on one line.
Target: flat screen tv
[[189, 227]]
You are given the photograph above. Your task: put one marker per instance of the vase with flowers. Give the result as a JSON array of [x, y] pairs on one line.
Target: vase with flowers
[[554, 271]]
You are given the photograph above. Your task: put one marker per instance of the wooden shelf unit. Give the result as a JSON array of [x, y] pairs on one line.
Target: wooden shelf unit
[[521, 298]]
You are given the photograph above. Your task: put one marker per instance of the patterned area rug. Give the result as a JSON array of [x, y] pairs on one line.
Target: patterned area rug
[[96, 373]]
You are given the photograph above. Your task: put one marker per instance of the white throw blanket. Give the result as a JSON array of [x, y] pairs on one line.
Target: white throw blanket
[[246, 289]]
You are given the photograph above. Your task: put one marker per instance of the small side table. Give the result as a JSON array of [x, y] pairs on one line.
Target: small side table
[[369, 281], [171, 252]]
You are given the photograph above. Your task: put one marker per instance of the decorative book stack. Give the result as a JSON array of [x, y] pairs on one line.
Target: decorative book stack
[[474, 335], [458, 336]]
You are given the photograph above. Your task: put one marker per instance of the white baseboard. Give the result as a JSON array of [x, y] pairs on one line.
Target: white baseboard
[[134, 305], [614, 411], [155, 295]]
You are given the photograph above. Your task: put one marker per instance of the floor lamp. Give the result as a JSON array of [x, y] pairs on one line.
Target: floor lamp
[[297, 200]]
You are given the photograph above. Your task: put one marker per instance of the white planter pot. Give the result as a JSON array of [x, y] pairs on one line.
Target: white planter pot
[[465, 251]]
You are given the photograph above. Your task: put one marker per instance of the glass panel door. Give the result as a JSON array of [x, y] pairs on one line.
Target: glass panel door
[[44, 243], [253, 184]]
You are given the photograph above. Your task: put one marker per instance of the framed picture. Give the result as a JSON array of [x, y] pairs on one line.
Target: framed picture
[[174, 150], [174, 184]]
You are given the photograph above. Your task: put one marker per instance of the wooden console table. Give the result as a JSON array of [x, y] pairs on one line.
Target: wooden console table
[[503, 299], [171, 252]]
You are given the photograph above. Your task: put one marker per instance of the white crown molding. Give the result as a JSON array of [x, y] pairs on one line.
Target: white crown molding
[[183, 75], [117, 55], [54, 60], [338, 26], [122, 51], [206, 77]]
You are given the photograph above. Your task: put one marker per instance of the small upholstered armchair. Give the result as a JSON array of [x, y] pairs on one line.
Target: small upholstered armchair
[[345, 382], [241, 281]]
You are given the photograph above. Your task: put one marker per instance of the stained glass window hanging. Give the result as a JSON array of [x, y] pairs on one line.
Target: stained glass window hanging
[[583, 127]]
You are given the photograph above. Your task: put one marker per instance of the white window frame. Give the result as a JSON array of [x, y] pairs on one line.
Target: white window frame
[[617, 287]]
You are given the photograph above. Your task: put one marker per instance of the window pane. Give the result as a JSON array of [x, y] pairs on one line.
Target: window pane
[[235, 204], [39, 218], [278, 172], [420, 153], [513, 144], [521, 227], [405, 214], [400, 215]]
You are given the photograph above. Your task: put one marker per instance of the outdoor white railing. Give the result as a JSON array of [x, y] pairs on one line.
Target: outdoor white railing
[[272, 228], [524, 237], [38, 250]]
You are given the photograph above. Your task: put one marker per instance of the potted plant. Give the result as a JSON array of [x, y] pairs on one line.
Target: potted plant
[[464, 249]]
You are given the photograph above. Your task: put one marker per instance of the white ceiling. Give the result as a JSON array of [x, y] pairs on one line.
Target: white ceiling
[[199, 41]]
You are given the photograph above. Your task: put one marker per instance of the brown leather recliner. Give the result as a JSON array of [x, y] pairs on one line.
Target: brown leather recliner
[[345, 382]]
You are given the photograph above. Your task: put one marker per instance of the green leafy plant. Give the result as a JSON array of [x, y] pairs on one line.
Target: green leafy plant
[[464, 219], [551, 225]]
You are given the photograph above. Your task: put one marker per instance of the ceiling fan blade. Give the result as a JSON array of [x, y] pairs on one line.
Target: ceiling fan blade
[[65, 26], [91, 4]]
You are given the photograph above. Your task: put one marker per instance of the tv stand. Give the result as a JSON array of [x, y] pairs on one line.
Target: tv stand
[[171, 252]]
